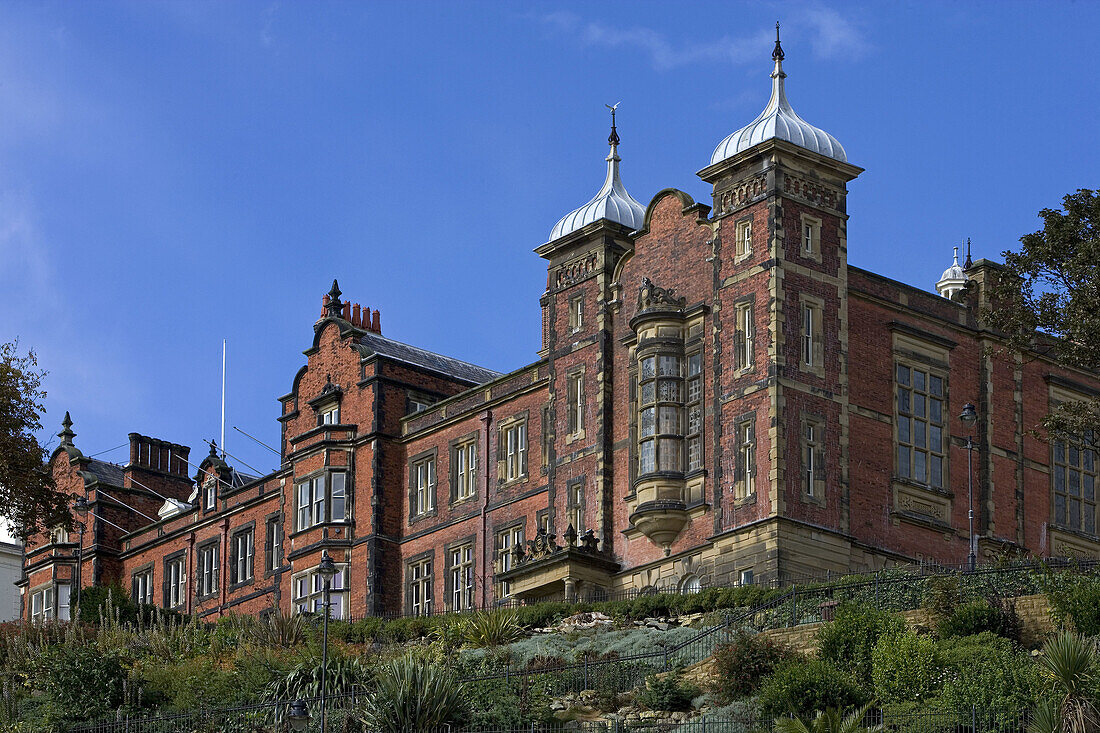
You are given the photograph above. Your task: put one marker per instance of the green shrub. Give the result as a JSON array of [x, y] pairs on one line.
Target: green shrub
[[742, 664], [978, 616], [1076, 599], [668, 692], [401, 630], [81, 682], [849, 641], [542, 615], [411, 693], [905, 667], [363, 631], [805, 686], [989, 673], [189, 684]]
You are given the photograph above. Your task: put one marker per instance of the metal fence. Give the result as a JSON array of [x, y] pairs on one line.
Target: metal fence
[[342, 719]]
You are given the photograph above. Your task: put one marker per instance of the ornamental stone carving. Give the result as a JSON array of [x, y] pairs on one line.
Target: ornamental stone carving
[[652, 296]]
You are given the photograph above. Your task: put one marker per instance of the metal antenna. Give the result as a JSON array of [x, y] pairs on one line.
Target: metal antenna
[[265, 445], [223, 399], [235, 458]]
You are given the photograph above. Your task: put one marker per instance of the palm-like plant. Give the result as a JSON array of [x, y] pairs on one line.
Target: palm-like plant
[[829, 721], [1068, 664], [492, 628], [413, 694]]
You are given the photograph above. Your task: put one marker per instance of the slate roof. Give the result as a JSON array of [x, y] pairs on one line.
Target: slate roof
[[107, 473], [373, 343]]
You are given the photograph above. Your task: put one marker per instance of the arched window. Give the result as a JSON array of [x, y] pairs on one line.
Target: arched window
[[690, 584]]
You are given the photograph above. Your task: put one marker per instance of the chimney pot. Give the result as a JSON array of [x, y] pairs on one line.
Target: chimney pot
[[356, 315], [376, 323], [346, 313]]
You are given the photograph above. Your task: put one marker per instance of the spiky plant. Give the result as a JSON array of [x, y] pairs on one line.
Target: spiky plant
[[829, 721], [344, 676], [1068, 665], [492, 628], [413, 694], [278, 629]]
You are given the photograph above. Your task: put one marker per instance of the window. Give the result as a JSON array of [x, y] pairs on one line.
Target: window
[[1075, 485], [208, 570], [807, 335], [746, 577], [141, 585], [59, 536], [417, 403], [811, 237], [313, 499], [63, 611], [542, 521], [576, 313], [660, 431], [330, 416], [694, 409], [274, 555], [691, 584], [175, 582], [514, 437], [813, 459], [241, 551], [920, 426], [461, 566], [42, 605], [575, 400], [211, 493], [309, 592], [507, 541], [464, 470], [420, 587], [745, 335], [422, 475], [744, 238], [746, 458], [576, 506]]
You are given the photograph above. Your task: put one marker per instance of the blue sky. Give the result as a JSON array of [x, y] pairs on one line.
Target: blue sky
[[172, 174]]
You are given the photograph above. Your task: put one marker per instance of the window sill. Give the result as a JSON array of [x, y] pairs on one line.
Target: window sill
[[413, 519], [745, 500], [924, 487], [207, 597], [505, 483], [319, 525], [463, 500], [241, 584]]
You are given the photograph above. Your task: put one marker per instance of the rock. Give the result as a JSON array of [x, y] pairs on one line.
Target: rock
[[585, 621], [656, 624]]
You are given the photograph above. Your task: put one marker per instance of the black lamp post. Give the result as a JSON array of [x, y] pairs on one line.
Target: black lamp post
[[327, 569], [969, 416], [81, 507], [298, 715]]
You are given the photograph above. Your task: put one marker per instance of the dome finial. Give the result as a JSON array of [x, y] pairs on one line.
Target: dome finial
[[969, 262], [777, 54], [613, 138]]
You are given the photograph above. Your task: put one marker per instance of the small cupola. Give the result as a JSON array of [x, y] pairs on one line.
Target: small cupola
[[611, 202], [953, 279], [779, 120]]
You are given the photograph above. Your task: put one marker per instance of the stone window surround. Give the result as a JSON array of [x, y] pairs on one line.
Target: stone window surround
[[817, 340], [820, 458], [328, 472], [1061, 391], [740, 225], [742, 472], [179, 556], [932, 370], [432, 455], [815, 237], [148, 568], [448, 583], [469, 439], [273, 563], [201, 548], [502, 449], [575, 376], [740, 306], [234, 581], [571, 505], [415, 560]]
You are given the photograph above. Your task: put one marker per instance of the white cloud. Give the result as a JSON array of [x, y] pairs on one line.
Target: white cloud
[[267, 24], [830, 35]]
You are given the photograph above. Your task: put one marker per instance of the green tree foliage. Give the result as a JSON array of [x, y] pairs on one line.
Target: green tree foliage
[[987, 673], [849, 640], [27, 496], [978, 616], [1076, 600], [669, 692], [806, 686], [905, 667], [1051, 286], [82, 682]]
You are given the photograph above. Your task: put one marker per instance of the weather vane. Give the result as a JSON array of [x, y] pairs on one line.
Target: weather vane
[[613, 139]]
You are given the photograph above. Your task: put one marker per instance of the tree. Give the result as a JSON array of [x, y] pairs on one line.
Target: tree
[[1047, 301], [27, 496]]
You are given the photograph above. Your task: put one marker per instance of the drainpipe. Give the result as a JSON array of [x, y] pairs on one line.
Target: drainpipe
[[188, 567], [486, 546]]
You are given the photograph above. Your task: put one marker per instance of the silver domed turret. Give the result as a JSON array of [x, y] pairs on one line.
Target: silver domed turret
[[611, 202], [779, 120], [953, 279]]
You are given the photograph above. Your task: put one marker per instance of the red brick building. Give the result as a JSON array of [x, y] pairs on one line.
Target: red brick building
[[719, 398]]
